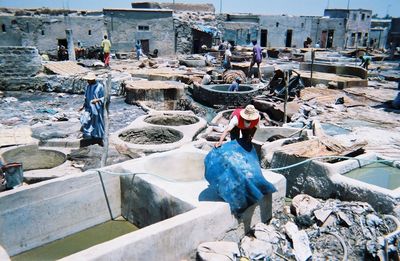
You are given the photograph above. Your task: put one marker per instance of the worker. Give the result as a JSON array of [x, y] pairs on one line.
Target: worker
[[227, 58], [365, 61], [256, 58], [106, 44], [138, 47], [92, 119], [235, 85], [242, 121], [307, 43], [207, 79]]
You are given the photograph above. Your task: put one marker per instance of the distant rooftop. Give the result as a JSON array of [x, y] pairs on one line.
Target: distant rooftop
[[137, 10], [207, 8], [347, 10]]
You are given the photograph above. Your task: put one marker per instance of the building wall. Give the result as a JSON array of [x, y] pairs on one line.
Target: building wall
[[241, 33], [357, 27], [125, 27], [321, 24], [379, 33], [44, 31], [278, 25]]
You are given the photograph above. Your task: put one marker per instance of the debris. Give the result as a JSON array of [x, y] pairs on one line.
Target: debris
[[301, 243], [212, 251], [304, 204], [322, 214], [256, 249]]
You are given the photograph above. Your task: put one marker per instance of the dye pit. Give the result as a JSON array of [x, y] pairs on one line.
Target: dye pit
[[151, 135], [78, 241], [171, 120], [33, 158], [225, 87], [377, 174]]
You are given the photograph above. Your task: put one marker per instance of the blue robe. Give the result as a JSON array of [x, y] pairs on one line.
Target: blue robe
[[94, 127]]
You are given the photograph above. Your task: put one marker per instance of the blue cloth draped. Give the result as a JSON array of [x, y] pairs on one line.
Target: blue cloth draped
[[234, 171], [94, 128]]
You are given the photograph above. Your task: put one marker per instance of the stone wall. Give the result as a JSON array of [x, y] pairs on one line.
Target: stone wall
[[357, 26], [19, 61], [278, 25], [126, 26], [45, 31]]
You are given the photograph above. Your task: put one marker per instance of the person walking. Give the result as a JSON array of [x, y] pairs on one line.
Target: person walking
[[138, 47], [256, 59], [106, 45], [92, 119]]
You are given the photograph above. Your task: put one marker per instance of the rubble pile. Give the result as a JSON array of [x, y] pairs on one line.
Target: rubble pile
[[317, 229]]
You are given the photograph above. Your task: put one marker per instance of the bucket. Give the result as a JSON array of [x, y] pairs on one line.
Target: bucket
[[3, 182], [14, 174]]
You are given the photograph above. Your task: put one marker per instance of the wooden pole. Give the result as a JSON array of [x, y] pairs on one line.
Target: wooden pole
[[106, 120], [312, 65], [286, 97]]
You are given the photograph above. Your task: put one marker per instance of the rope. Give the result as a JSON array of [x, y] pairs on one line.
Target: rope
[[330, 157]]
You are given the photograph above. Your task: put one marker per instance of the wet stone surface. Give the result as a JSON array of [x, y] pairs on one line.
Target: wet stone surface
[[151, 135], [44, 110]]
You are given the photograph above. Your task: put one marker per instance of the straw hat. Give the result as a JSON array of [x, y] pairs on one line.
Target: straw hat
[[249, 113], [90, 77]]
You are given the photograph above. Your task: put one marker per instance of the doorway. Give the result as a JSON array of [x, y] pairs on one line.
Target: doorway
[[289, 34], [199, 39], [264, 38], [62, 42], [329, 43], [324, 39], [145, 46]]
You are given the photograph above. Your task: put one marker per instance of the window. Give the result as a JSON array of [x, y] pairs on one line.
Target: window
[[354, 17], [277, 24], [90, 32], [362, 17], [144, 28], [42, 32], [302, 25], [3, 28]]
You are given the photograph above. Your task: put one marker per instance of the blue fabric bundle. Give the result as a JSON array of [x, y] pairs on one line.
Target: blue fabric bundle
[[234, 171]]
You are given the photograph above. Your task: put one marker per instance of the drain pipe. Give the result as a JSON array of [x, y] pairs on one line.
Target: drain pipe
[[105, 138], [106, 120]]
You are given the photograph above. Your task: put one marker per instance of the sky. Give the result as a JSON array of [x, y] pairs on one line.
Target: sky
[[277, 7]]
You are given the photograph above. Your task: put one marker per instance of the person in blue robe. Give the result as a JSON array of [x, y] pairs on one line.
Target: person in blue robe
[[92, 119]]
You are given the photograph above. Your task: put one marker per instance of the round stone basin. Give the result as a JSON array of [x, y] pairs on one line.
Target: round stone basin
[[225, 87], [171, 119], [33, 158], [151, 135]]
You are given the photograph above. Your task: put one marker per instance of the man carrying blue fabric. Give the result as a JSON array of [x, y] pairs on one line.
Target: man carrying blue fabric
[[93, 118]]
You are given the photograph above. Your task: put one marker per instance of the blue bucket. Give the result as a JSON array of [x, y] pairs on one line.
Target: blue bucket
[[14, 174]]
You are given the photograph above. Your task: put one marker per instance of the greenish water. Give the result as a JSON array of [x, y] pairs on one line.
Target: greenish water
[[378, 174], [78, 242]]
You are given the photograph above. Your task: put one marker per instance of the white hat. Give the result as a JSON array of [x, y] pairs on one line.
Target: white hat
[[249, 113], [90, 77]]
